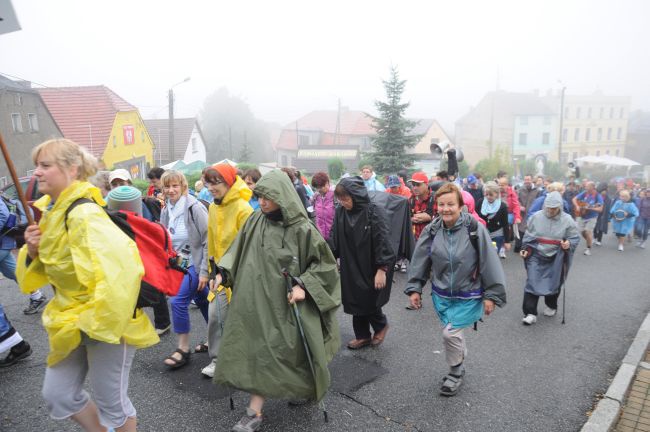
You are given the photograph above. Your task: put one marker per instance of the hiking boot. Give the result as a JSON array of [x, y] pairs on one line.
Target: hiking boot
[[549, 312], [355, 344], [16, 354], [162, 331], [208, 371], [35, 306], [251, 422], [378, 338], [588, 252], [529, 319]]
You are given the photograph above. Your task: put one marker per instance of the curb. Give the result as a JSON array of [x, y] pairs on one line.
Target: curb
[[607, 411]]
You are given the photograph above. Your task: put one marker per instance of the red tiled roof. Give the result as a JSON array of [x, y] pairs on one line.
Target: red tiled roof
[[85, 115], [353, 123]]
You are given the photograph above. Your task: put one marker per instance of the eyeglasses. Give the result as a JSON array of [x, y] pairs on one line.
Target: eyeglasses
[[213, 183]]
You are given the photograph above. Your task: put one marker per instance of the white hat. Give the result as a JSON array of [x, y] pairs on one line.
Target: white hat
[[120, 173]]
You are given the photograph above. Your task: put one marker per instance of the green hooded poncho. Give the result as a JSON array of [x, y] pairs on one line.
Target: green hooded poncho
[[261, 351]]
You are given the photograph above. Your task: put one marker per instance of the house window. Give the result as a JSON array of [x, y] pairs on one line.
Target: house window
[[576, 135], [303, 140], [588, 134], [578, 112], [18, 100], [33, 122], [600, 134], [114, 141], [194, 149], [546, 138], [602, 112], [619, 133], [523, 120], [609, 134], [142, 136], [16, 122], [522, 139], [621, 113], [566, 112], [611, 112], [589, 112], [547, 120], [565, 133]]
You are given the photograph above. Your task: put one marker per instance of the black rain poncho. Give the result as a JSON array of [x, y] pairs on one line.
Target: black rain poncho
[[361, 240], [261, 351]]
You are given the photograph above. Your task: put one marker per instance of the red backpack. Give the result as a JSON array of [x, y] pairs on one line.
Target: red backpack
[[162, 274]]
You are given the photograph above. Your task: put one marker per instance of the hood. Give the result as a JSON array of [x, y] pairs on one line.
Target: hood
[[277, 187], [237, 190], [356, 188], [553, 200]]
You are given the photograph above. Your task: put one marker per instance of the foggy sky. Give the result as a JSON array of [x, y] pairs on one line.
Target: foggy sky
[[288, 58]]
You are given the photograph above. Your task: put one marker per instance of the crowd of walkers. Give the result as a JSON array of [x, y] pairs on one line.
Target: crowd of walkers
[[268, 260]]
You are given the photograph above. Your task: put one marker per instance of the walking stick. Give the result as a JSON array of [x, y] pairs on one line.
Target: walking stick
[[14, 176], [565, 266], [213, 276], [288, 278]]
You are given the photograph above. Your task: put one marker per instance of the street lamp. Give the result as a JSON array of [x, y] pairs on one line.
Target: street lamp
[[171, 118], [559, 141]]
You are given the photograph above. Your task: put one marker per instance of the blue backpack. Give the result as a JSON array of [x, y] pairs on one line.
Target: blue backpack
[[16, 221]]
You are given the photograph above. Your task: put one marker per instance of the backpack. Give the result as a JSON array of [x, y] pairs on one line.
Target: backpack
[[205, 203], [472, 231], [16, 221], [154, 206], [162, 274]]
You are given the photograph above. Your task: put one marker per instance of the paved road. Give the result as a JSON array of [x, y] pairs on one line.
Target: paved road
[[540, 378]]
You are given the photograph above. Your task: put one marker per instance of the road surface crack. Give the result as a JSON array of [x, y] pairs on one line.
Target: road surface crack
[[409, 426]]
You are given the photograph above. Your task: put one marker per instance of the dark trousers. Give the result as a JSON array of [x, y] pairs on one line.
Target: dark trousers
[[518, 241], [362, 323], [530, 302], [598, 235], [161, 313]]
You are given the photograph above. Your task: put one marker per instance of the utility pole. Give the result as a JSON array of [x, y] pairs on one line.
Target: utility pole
[[559, 141], [171, 125]]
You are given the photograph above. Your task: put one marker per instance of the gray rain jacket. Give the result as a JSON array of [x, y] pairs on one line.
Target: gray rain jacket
[[450, 262]]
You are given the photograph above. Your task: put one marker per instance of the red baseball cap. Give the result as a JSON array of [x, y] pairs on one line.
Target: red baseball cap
[[419, 177]]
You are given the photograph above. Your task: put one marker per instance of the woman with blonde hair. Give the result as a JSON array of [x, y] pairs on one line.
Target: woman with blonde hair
[[187, 221], [92, 323]]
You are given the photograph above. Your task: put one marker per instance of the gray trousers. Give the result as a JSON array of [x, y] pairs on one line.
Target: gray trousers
[[454, 342], [217, 313], [107, 367]]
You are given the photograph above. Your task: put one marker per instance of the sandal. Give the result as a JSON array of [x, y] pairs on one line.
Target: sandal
[[201, 348], [451, 384], [185, 358]]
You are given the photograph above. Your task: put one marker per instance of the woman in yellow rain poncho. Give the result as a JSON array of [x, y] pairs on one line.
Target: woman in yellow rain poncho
[[95, 270]]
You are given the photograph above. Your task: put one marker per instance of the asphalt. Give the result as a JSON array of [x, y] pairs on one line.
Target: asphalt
[[546, 377]]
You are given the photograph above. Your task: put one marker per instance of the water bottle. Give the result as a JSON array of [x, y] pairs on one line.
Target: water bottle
[[184, 257]]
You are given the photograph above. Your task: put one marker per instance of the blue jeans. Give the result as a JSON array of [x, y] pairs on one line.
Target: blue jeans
[[500, 240], [7, 264], [5, 325], [181, 301]]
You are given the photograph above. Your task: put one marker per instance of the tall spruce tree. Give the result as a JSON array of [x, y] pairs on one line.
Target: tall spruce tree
[[393, 130]]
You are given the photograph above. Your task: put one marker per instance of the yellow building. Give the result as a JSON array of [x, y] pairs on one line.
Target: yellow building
[[105, 124]]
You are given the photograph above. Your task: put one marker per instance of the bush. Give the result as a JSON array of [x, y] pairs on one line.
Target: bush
[[335, 168], [142, 185]]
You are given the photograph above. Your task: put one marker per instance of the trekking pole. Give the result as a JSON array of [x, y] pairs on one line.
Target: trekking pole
[[213, 276], [14, 176], [296, 312], [565, 258]]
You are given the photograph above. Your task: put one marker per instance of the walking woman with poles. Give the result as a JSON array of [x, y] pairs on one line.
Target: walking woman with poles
[[550, 240], [268, 349]]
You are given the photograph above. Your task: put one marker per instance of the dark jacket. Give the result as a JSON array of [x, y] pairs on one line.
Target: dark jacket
[[360, 239], [500, 219], [526, 198], [602, 223]]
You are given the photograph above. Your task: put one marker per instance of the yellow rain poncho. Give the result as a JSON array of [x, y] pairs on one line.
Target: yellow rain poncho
[[95, 270]]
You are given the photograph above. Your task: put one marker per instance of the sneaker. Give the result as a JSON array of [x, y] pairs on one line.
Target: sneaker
[[16, 354], [251, 422], [502, 253], [529, 319], [162, 331], [549, 312], [193, 304], [641, 245], [403, 268], [597, 243], [208, 371], [620, 248], [588, 252], [35, 306]]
